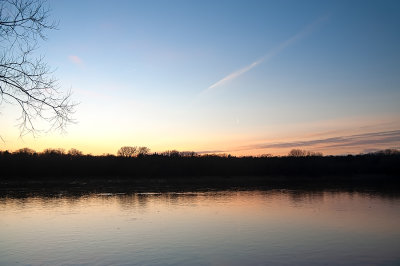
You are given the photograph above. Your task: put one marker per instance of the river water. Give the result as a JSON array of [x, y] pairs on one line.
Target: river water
[[201, 228]]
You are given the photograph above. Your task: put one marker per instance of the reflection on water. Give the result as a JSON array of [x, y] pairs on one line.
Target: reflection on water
[[212, 228]]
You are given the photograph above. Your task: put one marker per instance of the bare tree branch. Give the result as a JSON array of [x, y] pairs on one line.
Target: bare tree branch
[[26, 80]]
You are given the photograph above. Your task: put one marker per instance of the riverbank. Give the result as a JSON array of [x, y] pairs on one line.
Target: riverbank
[[58, 172], [158, 166]]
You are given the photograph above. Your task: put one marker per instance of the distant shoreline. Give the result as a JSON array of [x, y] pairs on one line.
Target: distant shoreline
[[157, 172]]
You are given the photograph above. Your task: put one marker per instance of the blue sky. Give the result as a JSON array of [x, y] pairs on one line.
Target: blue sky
[[292, 71]]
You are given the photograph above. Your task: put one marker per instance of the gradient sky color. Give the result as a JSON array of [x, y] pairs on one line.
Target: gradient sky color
[[239, 77]]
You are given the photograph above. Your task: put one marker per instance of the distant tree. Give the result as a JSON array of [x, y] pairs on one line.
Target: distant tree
[[312, 153], [51, 151], [75, 152], [266, 155], [25, 151], [297, 153], [127, 151], [143, 151], [171, 153], [25, 80], [303, 153], [6, 152], [188, 154], [388, 152]]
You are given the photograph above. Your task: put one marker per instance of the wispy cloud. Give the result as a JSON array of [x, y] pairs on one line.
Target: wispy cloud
[[365, 142], [211, 152], [302, 33], [75, 59], [235, 74], [375, 138]]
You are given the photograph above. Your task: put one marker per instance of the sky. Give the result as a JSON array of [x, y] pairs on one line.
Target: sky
[[237, 77]]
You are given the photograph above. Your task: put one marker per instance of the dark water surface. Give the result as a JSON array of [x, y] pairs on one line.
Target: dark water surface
[[201, 228]]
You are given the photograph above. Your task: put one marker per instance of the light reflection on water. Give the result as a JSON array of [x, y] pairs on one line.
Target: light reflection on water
[[211, 228]]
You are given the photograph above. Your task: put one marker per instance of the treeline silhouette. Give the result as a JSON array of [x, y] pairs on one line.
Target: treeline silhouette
[[56, 164]]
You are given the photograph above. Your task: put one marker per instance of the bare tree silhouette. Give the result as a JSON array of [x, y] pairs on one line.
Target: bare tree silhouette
[[127, 151], [297, 153], [75, 152], [51, 151], [25, 79], [25, 151], [143, 151], [303, 153]]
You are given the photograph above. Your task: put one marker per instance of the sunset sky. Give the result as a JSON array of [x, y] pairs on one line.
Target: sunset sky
[[238, 77]]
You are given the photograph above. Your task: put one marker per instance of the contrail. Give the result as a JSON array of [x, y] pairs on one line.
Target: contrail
[[303, 32]]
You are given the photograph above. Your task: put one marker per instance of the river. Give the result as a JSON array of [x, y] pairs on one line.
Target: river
[[273, 227]]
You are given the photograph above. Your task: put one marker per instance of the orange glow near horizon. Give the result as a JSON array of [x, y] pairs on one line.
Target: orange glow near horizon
[[331, 137]]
